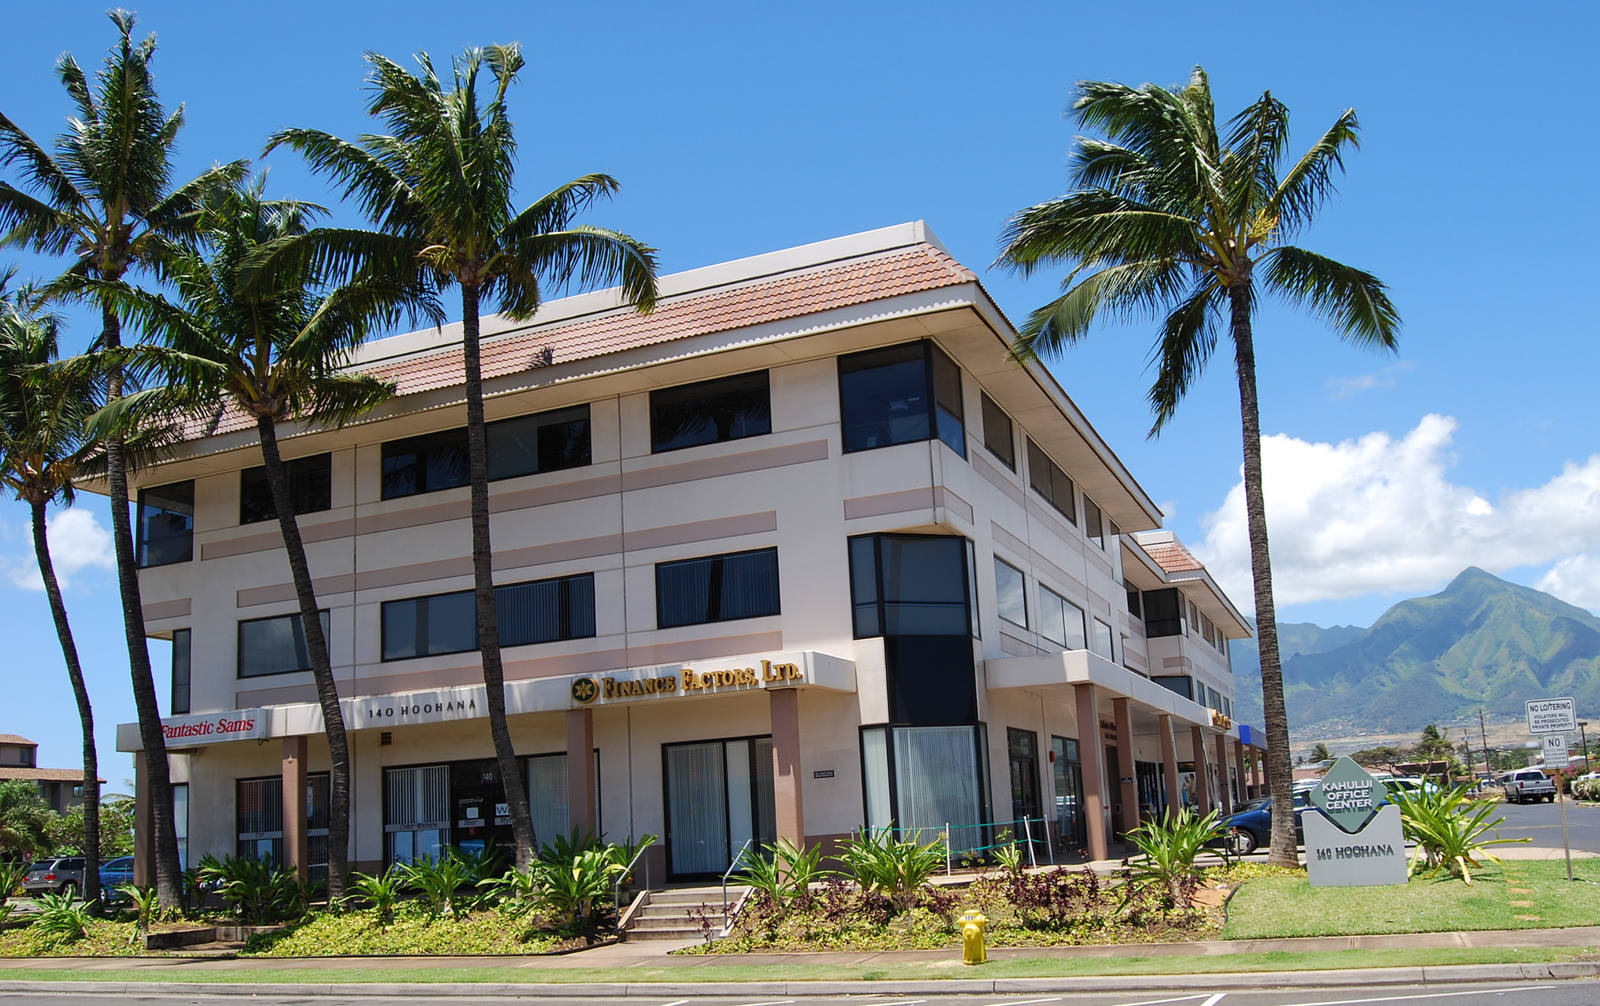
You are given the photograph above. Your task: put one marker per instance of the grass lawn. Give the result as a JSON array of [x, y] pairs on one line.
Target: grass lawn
[[1519, 894], [1029, 967]]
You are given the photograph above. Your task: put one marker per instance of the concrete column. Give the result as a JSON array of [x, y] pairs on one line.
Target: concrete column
[[1202, 775], [580, 771], [1224, 792], [1132, 813], [1169, 763], [1244, 776], [295, 850], [788, 802], [1090, 751], [144, 826], [1255, 770]]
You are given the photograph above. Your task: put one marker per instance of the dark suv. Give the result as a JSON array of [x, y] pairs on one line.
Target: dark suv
[[63, 875]]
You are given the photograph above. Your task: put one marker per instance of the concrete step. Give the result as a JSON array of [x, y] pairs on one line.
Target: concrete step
[[694, 895], [671, 922], [666, 934], [656, 911]]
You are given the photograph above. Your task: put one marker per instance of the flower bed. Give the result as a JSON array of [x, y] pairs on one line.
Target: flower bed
[[413, 930]]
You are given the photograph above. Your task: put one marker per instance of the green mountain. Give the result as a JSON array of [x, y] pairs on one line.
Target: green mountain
[[1480, 642], [1293, 638]]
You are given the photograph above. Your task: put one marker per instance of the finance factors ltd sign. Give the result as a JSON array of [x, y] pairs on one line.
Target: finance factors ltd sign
[[1356, 840]]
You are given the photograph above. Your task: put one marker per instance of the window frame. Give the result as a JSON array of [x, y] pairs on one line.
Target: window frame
[[1052, 470], [383, 617], [1083, 624], [999, 610], [718, 557], [400, 445], [291, 467], [174, 707], [238, 656], [986, 405], [1094, 522], [141, 540], [969, 584], [657, 394], [930, 391]]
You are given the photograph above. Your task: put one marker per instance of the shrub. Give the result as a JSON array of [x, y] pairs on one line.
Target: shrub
[[1449, 830], [1167, 853], [574, 891], [381, 891], [146, 906], [257, 890], [896, 868], [784, 873], [11, 876], [440, 881], [1587, 789], [61, 919], [1057, 899], [516, 891]]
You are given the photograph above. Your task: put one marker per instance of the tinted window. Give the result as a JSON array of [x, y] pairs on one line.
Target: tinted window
[[547, 442], [1102, 640], [1011, 594], [911, 585], [310, 488], [1093, 529], [180, 671], [1060, 621], [274, 645], [899, 395], [717, 588], [709, 412], [997, 433], [1163, 612], [1049, 481], [541, 611], [166, 524], [425, 464]]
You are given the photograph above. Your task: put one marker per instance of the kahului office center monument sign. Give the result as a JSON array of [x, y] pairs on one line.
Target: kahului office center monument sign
[[1357, 840]]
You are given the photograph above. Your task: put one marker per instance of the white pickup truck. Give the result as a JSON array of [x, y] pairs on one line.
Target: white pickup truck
[[1528, 784]]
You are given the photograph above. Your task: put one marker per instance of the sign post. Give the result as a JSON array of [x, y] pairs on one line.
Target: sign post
[[1552, 720]]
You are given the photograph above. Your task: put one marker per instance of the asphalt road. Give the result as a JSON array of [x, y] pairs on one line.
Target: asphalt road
[[1542, 823], [1575, 993]]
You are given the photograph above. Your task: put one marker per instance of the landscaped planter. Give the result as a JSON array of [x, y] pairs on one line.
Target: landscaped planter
[[173, 939]]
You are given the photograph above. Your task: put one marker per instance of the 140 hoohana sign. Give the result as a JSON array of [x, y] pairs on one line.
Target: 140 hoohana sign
[[1356, 840]]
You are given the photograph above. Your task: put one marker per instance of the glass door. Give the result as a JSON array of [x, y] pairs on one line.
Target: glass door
[[719, 797], [1067, 774], [1023, 748]]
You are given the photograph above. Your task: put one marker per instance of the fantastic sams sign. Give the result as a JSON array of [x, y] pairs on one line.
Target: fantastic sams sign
[[1356, 841], [235, 725]]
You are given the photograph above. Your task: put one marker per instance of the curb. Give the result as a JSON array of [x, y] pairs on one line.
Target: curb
[[1250, 980]]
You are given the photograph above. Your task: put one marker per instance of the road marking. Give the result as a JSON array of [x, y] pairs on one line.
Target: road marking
[[1175, 999], [675, 1002], [1024, 1002], [769, 1002], [1214, 999], [1429, 995]]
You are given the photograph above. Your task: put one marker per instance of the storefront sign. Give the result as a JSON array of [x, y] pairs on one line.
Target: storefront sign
[[415, 707], [234, 725], [822, 773], [686, 682], [1356, 839]]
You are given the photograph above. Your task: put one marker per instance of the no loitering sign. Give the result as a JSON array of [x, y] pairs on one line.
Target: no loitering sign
[[1552, 716]]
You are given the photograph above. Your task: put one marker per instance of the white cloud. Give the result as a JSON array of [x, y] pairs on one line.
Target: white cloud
[[78, 541], [1385, 377], [1576, 580], [1379, 514]]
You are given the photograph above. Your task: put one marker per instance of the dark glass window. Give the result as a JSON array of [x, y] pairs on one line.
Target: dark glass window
[[1011, 593], [1060, 621], [1101, 642], [1093, 529], [25, 757], [898, 395], [911, 585], [717, 588], [1049, 481], [166, 524], [710, 412], [180, 671], [540, 611], [547, 442], [997, 433], [425, 464], [1135, 608], [274, 645], [1163, 613], [1179, 683], [310, 488]]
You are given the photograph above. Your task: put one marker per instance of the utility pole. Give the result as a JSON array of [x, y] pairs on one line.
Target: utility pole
[[1483, 732], [1585, 740]]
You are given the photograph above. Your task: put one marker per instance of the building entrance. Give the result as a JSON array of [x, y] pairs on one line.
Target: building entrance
[[718, 796], [1023, 748], [1067, 774]]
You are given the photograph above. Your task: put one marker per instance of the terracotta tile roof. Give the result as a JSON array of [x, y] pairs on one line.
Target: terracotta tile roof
[[1171, 556], [42, 774], [16, 739], [914, 269]]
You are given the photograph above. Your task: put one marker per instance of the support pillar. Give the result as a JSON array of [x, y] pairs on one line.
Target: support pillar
[[1202, 771], [1132, 813], [1255, 770], [581, 816], [144, 826], [1224, 791], [1091, 752], [1244, 777], [296, 854], [788, 800], [1169, 764]]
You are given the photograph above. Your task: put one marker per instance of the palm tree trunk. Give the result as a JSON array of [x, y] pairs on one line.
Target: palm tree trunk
[[494, 678], [1280, 771], [69, 652], [169, 878], [321, 666]]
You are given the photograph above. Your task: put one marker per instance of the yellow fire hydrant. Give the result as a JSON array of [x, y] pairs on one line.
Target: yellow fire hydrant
[[972, 949]]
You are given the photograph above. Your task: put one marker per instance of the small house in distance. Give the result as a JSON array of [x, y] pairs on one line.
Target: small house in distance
[[19, 759]]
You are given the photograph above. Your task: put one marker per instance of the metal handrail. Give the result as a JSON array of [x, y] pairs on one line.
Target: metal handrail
[[616, 888], [737, 859]]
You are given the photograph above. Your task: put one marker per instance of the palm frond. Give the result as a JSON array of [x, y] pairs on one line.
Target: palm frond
[[336, 399], [1096, 227], [39, 170], [556, 210], [1256, 141], [1303, 189], [1356, 303], [1133, 289], [1188, 338], [369, 180], [33, 224], [587, 256]]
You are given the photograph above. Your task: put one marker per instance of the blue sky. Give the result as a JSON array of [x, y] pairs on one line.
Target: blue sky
[[742, 128]]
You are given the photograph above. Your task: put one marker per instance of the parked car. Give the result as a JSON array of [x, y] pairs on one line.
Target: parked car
[[1526, 785], [114, 872], [1411, 784], [1251, 827], [62, 875]]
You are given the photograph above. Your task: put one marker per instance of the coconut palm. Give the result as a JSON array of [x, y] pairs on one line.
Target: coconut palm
[[270, 346], [43, 445], [105, 200], [439, 187], [1172, 219]]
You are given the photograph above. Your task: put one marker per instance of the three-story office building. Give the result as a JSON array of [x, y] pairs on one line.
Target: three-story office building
[[800, 552]]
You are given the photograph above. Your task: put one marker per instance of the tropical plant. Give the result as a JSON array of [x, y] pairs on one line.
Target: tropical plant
[[12, 873], [105, 200], [896, 868], [440, 881], [61, 918], [270, 343], [574, 892], [439, 187], [44, 442], [1173, 217], [146, 907], [1449, 830], [783, 872], [482, 864], [1167, 851], [515, 891], [24, 819], [257, 889], [381, 891], [116, 827]]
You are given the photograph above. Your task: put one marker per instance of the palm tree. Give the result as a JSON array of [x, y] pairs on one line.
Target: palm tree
[[1173, 220], [439, 189], [43, 443], [270, 345], [105, 201], [24, 817]]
